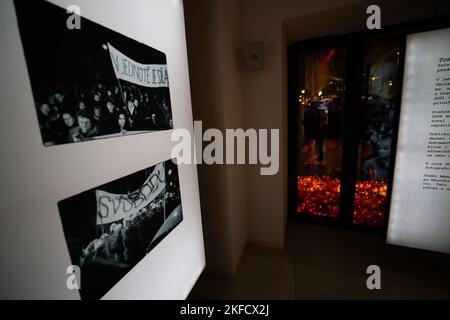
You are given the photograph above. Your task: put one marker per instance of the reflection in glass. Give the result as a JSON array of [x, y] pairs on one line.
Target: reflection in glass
[[378, 105], [321, 99]]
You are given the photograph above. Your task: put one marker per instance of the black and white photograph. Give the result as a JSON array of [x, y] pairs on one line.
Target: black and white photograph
[[110, 228], [90, 83]]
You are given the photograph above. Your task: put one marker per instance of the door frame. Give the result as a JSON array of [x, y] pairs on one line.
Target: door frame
[[354, 80]]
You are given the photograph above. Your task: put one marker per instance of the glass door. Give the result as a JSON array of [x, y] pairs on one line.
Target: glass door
[[344, 103], [321, 100], [377, 120]]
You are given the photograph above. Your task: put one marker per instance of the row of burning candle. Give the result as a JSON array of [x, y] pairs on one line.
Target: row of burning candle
[[319, 195]]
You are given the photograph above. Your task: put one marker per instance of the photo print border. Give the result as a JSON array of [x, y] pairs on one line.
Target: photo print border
[[90, 83], [111, 228]]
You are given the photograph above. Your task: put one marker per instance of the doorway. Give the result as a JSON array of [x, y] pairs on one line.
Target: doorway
[[343, 114]]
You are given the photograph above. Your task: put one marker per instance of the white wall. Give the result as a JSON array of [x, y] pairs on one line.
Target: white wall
[[232, 93], [214, 45], [34, 178]]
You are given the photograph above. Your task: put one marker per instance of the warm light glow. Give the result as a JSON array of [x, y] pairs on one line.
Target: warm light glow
[[320, 196], [303, 91]]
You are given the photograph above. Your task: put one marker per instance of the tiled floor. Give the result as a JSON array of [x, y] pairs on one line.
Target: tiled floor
[[328, 263]]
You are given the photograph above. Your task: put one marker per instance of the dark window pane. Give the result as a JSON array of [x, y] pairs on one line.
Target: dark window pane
[[378, 108], [321, 101]]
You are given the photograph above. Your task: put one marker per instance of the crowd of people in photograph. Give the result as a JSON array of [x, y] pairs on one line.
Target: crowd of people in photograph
[[127, 241], [102, 110]]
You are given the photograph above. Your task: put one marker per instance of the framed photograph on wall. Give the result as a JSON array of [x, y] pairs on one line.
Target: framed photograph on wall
[[112, 227], [92, 82]]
